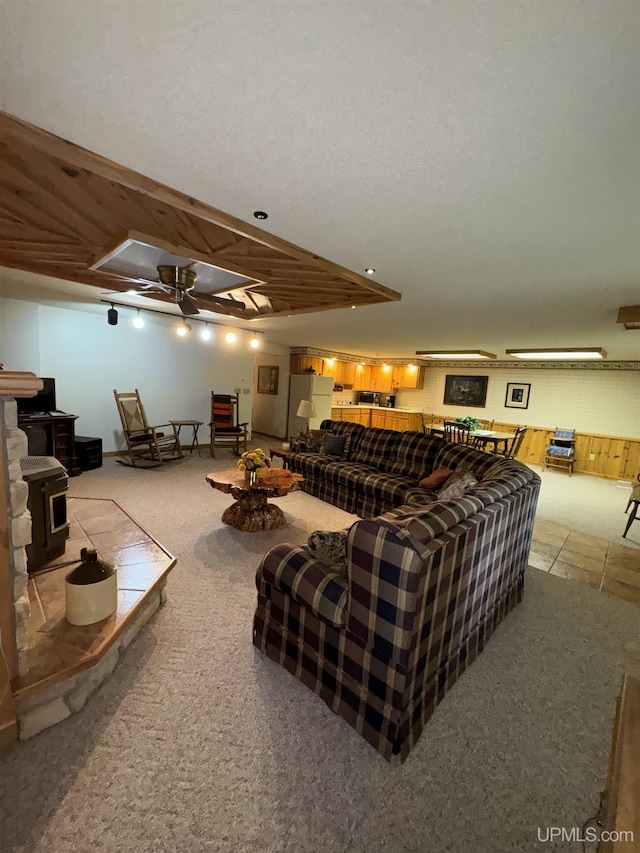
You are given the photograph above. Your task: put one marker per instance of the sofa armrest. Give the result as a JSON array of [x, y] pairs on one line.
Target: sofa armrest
[[309, 582]]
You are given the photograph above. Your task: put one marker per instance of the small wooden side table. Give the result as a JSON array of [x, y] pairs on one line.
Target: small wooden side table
[[195, 425], [280, 454]]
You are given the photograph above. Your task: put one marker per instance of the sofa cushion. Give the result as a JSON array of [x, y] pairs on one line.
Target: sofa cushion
[[390, 490], [436, 479], [422, 524], [330, 547], [336, 446], [414, 456], [459, 482], [377, 448], [453, 455]]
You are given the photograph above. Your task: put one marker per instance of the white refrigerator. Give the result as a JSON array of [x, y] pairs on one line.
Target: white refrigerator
[[317, 389]]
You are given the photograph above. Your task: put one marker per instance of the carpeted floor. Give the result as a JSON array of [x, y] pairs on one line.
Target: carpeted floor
[[197, 743]]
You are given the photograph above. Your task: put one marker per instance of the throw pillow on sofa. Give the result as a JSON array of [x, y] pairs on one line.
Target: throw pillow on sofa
[[457, 484], [336, 446], [329, 547], [314, 439], [436, 479]]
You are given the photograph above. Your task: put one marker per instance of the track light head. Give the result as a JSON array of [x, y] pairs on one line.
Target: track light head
[[112, 316]]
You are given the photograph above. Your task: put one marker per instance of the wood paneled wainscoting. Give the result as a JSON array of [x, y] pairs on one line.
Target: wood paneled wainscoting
[[614, 457]]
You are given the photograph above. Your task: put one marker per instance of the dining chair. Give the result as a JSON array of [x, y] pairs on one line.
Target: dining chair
[[224, 426], [144, 442], [511, 451], [455, 431], [634, 502]]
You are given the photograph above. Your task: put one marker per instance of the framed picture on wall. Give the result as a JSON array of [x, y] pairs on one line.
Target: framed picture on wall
[[517, 395], [465, 390], [268, 379]]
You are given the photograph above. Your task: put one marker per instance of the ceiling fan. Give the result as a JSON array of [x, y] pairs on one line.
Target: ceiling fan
[[180, 282]]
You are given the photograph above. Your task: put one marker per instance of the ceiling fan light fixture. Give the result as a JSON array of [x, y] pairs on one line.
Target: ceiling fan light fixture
[[559, 353], [444, 354]]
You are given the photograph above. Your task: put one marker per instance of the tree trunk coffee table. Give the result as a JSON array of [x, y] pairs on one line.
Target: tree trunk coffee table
[[251, 512]]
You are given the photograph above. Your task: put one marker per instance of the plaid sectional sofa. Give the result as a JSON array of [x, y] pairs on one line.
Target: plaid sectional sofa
[[427, 583]]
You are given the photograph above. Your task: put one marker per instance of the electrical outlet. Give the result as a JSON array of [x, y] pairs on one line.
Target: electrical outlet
[[592, 456], [246, 390], [237, 390]]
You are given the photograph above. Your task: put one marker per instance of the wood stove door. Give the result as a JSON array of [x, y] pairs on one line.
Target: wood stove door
[[57, 525]]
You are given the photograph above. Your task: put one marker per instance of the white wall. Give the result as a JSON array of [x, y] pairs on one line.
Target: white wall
[[270, 411], [19, 335], [88, 359], [598, 401]]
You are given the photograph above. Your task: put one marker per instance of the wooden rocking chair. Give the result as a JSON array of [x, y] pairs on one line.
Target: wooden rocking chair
[[145, 442]]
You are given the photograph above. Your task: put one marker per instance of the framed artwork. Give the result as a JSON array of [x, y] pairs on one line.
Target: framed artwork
[[517, 395], [465, 390], [268, 379]]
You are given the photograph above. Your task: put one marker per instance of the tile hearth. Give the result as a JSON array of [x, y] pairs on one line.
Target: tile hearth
[[59, 653]]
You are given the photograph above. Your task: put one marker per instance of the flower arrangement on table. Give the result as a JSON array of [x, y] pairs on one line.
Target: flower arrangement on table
[[252, 461], [472, 423]]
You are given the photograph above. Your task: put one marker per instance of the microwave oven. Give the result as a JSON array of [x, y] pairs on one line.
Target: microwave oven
[[371, 398]]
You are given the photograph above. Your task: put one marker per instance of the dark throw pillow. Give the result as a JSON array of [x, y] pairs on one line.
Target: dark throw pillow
[[314, 439], [330, 547], [335, 446], [436, 478]]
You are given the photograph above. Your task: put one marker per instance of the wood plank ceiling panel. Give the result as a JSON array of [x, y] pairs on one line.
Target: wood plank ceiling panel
[[63, 207]]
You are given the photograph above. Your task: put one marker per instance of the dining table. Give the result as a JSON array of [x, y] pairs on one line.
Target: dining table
[[483, 437]]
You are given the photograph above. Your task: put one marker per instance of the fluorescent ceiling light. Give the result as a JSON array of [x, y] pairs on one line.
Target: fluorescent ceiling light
[[457, 353], [566, 353]]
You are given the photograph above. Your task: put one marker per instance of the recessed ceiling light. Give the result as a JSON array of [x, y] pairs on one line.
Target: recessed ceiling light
[[563, 353], [455, 353], [260, 214], [369, 270], [353, 306]]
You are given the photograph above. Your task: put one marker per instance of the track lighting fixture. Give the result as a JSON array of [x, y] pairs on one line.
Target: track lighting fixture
[[183, 329], [112, 316], [138, 321], [230, 338], [205, 334], [254, 342]]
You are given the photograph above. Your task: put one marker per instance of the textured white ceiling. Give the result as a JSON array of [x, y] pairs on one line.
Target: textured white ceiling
[[484, 157]]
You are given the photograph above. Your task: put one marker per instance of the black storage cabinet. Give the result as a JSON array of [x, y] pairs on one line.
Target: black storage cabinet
[[89, 452]]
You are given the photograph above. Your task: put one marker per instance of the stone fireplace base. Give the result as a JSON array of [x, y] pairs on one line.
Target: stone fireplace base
[[65, 664]]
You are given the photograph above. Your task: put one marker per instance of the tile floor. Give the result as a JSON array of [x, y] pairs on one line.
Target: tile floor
[[605, 566]]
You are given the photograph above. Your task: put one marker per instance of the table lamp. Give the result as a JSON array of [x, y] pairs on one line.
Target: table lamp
[[307, 410]]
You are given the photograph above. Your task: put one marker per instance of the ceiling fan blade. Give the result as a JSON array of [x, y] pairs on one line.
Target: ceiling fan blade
[[188, 306], [220, 300]]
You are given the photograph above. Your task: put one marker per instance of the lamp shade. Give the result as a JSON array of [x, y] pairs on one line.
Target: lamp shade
[[306, 409]]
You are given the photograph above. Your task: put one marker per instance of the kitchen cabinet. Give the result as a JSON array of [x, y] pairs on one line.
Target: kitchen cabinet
[[407, 376], [362, 380], [302, 363], [381, 378], [345, 373], [330, 368], [357, 415]]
